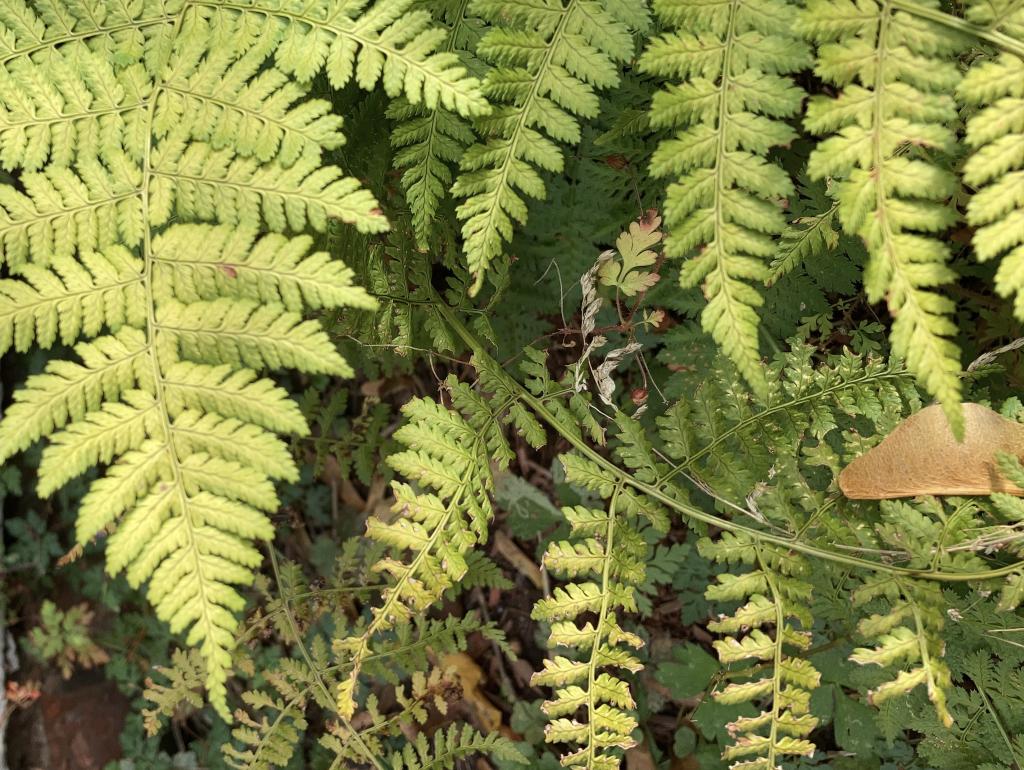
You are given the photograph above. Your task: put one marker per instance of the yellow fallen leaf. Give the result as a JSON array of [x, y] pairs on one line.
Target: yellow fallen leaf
[[922, 457], [470, 676]]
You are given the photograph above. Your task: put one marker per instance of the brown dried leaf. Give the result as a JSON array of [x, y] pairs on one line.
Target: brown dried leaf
[[921, 457]]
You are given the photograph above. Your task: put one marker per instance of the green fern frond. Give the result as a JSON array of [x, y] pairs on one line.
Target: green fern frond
[[392, 43], [888, 135], [447, 454], [609, 552], [806, 236], [907, 637], [196, 181], [201, 262], [548, 61], [996, 168], [773, 593], [64, 106], [184, 678], [88, 207], [101, 239], [429, 143], [730, 62], [451, 745], [70, 298]]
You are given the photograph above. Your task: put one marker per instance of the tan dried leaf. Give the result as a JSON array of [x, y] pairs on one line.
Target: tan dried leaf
[[921, 457]]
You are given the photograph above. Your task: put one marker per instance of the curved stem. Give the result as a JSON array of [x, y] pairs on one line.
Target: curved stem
[[998, 39], [686, 509]]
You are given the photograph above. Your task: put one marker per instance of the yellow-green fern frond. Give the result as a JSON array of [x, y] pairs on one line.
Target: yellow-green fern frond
[[195, 181], [70, 104], [908, 638], [124, 125], [389, 42], [727, 64], [889, 131], [71, 298], [448, 457], [430, 142], [590, 708], [201, 262], [995, 169], [772, 595], [88, 207]]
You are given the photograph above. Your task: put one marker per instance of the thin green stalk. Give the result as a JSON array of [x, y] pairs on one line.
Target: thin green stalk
[[686, 509], [324, 689], [998, 39]]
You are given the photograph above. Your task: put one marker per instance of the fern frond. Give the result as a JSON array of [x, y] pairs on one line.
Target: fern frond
[[995, 168], [731, 60], [609, 552], [202, 262], [451, 745], [196, 181], [548, 61], [774, 593], [447, 454], [70, 104], [89, 207], [184, 679], [227, 101], [390, 43], [125, 124], [429, 142], [888, 134], [907, 637], [71, 298]]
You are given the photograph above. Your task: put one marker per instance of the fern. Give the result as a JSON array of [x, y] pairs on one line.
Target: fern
[[128, 125], [996, 168], [889, 131], [610, 552], [773, 592], [450, 453], [732, 59], [548, 59], [908, 634], [429, 143]]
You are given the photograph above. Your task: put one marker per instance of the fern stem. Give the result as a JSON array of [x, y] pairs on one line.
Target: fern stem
[[314, 671], [689, 511], [990, 707], [996, 38]]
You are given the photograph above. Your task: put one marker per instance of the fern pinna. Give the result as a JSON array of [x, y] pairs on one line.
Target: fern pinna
[[164, 151]]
